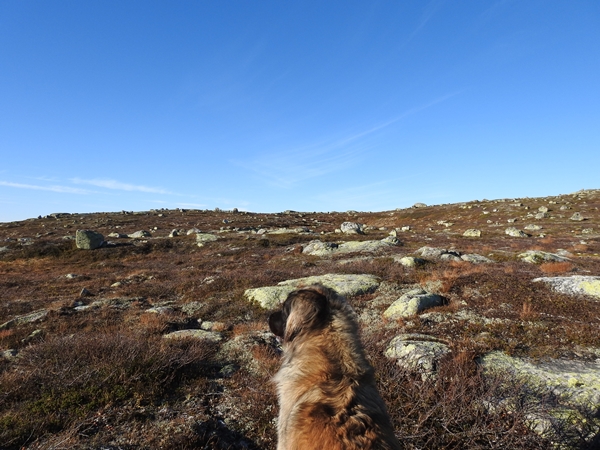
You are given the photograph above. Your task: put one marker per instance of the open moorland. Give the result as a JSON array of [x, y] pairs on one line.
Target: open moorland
[[482, 320]]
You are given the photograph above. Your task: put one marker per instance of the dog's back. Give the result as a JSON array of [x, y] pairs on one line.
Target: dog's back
[[326, 387]]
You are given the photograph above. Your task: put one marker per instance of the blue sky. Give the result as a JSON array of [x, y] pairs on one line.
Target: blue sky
[[308, 105]]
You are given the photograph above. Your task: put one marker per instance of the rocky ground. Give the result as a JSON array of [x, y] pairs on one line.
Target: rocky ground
[[149, 329]]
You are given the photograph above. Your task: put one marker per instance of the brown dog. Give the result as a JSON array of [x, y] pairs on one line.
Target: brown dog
[[327, 394]]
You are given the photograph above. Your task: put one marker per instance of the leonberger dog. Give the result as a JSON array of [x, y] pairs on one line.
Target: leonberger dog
[[326, 387]]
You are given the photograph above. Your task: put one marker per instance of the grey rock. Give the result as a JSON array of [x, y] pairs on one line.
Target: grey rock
[[192, 308], [85, 293], [270, 297], [542, 215], [204, 238], [26, 318], [9, 354], [175, 232], [88, 239], [574, 285], [514, 232], [318, 248], [577, 217], [115, 235], [139, 234], [210, 336], [4, 249], [476, 259], [416, 352], [412, 303], [543, 209], [160, 310], [533, 227], [193, 231], [538, 256], [351, 228], [410, 261]]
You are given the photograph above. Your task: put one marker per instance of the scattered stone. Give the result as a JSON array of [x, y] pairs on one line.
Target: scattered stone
[[213, 326], [9, 354], [27, 318], [416, 352], [203, 335], [203, 238], [577, 383], [85, 293], [564, 207], [175, 233], [88, 239], [4, 249], [405, 228], [139, 234], [192, 231], [574, 285], [351, 228], [577, 217], [542, 215], [538, 256], [543, 209], [472, 232], [476, 259], [71, 276], [533, 227], [514, 232], [511, 220], [319, 248], [192, 308], [410, 261], [587, 231], [160, 310], [270, 297], [412, 303], [419, 205], [117, 235]]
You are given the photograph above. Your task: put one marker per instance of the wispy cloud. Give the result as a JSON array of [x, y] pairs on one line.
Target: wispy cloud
[[55, 188], [117, 185], [287, 168], [429, 12]]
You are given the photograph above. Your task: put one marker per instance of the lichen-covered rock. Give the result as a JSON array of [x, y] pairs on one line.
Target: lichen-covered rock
[[203, 238], [574, 285], [351, 228], [270, 297], [577, 383], [416, 352], [533, 227], [411, 303], [515, 232], [475, 258], [139, 234], [318, 248], [204, 335], [472, 232], [577, 217], [538, 256], [88, 239], [410, 261], [26, 318]]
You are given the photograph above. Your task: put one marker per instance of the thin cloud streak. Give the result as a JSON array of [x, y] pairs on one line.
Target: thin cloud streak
[[288, 168], [61, 189], [117, 185]]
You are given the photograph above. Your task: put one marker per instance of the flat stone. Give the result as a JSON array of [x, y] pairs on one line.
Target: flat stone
[[203, 238], [475, 258], [318, 248], [577, 217], [26, 318], [139, 234], [538, 256], [410, 261], [270, 297], [574, 285], [412, 303], [472, 232], [515, 232], [211, 336], [351, 228], [533, 227], [577, 383]]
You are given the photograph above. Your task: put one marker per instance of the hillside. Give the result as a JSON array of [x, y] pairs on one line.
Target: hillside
[[159, 339]]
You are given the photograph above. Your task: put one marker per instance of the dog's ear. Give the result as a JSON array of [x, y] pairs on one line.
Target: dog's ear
[[277, 324], [308, 311]]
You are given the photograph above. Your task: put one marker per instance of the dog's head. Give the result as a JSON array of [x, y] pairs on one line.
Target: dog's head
[[304, 311]]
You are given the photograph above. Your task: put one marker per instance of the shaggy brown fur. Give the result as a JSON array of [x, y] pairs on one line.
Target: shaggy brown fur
[[327, 394]]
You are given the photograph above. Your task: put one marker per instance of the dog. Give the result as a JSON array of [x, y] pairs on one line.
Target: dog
[[326, 387]]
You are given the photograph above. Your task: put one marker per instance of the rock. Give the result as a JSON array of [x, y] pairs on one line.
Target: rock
[[351, 228], [543, 209], [139, 234], [270, 297], [514, 232], [4, 249], [192, 308], [71, 276], [472, 232], [538, 256], [410, 261], [85, 293], [318, 248], [450, 256], [175, 233], [204, 335], [213, 326], [88, 239], [9, 354], [160, 310], [192, 231], [431, 252], [542, 215], [533, 227], [412, 303], [405, 228], [564, 207], [574, 285], [416, 352], [27, 318], [419, 205], [203, 238], [577, 217], [576, 383], [476, 259], [117, 235]]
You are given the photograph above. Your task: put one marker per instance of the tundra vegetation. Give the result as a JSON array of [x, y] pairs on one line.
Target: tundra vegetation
[[153, 339]]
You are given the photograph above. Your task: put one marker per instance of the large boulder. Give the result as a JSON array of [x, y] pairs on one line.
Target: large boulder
[[472, 232], [203, 238], [416, 352], [88, 239], [574, 285], [411, 303], [318, 248], [270, 297], [351, 228], [538, 256], [515, 232]]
